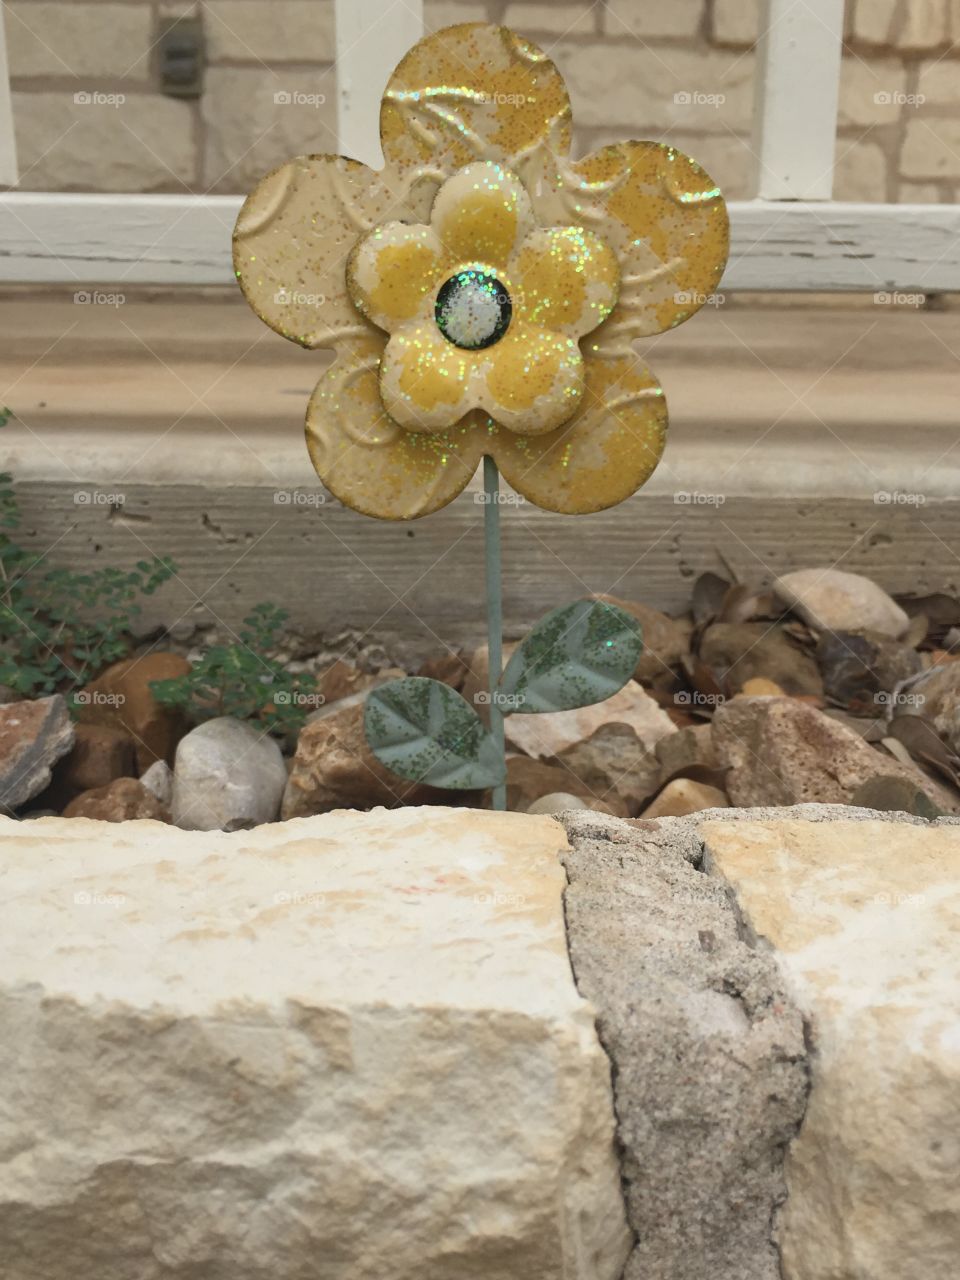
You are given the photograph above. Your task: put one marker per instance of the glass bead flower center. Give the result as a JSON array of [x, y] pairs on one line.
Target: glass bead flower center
[[473, 309]]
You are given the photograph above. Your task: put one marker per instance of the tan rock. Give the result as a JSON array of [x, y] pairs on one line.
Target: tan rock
[[333, 768], [548, 735], [688, 748], [831, 600], [353, 1045], [122, 698], [781, 751], [861, 918], [759, 687], [33, 736], [615, 766], [683, 796], [122, 800]]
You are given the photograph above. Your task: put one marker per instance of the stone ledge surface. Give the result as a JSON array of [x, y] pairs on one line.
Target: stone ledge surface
[[862, 917], [344, 1046]]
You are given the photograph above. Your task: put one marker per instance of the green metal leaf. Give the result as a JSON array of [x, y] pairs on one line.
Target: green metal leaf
[[579, 654], [425, 731]]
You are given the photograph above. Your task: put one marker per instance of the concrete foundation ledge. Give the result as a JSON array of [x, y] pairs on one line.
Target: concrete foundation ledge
[[455, 1045]]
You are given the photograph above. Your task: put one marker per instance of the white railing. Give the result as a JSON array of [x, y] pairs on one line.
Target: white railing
[[791, 237]]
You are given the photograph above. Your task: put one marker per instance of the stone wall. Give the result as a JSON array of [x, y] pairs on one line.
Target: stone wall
[[89, 114]]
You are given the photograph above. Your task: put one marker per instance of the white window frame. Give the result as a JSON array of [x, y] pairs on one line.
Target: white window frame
[[791, 237]]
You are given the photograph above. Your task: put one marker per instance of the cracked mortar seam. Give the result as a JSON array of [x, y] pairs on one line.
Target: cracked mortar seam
[[709, 1056]]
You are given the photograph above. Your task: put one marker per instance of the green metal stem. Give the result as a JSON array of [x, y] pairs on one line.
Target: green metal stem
[[491, 543]]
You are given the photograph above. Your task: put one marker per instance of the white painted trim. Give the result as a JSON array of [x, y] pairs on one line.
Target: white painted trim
[[797, 92], [372, 37], [8, 144], [159, 239]]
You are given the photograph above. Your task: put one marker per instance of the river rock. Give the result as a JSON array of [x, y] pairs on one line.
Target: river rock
[[227, 775], [862, 669], [559, 802], [122, 800], [34, 735], [349, 1046], [831, 600], [121, 697], [543, 736], [738, 652], [779, 751]]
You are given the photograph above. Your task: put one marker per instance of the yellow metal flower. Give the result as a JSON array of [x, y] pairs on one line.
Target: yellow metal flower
[[484, 307], [482, 291]]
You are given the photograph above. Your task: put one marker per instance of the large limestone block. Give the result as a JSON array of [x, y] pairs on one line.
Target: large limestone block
[[864, 921], [340, 1048]]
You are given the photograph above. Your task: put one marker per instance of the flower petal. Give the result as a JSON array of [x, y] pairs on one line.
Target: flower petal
[[393, 269], [295, 232], [534, 380], [568, 279], [370, 463], [603, 454], [473, 92], [426, 383], [666, 221], [482, 214]]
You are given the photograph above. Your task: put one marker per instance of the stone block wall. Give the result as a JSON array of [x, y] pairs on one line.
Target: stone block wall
[[90, 115]]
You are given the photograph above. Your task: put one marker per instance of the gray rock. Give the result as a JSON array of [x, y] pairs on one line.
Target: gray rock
[[158, 780], [830, 600], [936, 696], [710, 1070], [33, 737], [227, 776]]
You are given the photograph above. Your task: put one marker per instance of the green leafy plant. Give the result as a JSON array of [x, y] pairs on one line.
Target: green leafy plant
[[58, 628], [243, 679]]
